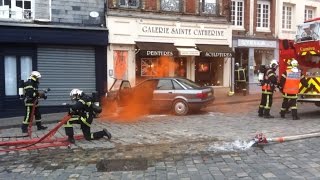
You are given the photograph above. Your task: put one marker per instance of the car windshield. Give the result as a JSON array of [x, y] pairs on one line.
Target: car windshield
[[189, 84]]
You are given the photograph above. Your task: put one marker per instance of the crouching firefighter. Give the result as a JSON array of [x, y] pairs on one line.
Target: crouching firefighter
[[289, 82], [82, 113], [268, 84], [31, 97]]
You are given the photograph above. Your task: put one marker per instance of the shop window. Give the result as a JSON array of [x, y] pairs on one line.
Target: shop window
[[148, 66], [209, 72], [129, 3], [26, 67], [180, 69], [10, 72], [170, 5], [164, 84], [209, 6]]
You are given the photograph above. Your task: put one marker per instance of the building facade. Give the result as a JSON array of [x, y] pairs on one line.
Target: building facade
[[254, 36], [184, 38], [64, 40]]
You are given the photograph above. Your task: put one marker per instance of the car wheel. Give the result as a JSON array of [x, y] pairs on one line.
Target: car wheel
[[180, 108]]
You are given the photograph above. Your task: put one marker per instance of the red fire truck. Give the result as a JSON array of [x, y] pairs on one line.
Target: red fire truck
[[306, 49]]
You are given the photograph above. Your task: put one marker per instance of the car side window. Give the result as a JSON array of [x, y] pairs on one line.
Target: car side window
[[176, 85], [164, 84]]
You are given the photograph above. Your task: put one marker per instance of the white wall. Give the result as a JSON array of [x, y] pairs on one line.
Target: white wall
[[297, 16]]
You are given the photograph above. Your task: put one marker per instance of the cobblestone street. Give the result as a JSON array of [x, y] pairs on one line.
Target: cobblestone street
[[209, 145]]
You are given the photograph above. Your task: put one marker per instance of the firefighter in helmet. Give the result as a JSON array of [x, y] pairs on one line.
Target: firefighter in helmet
[[82, 113], [268, 86], [289, 84], [31, 99]]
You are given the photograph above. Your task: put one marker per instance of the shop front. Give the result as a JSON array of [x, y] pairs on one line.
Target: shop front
[[158, 48], [251, 54]]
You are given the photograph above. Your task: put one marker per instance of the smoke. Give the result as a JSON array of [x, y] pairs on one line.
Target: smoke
[[136, 102]]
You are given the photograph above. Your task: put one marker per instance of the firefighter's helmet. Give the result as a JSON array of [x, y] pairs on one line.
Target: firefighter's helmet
[[75, 94], [294, 63], [274, 64], [35, 74]]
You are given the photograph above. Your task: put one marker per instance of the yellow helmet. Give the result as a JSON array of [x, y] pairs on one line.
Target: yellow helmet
[[294, 63]]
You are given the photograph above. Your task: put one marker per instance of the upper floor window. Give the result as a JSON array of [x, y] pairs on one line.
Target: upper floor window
[[237, 12], [16, 9], [263, 15], [129, 3], [170, 5], [308, 13], [287, 12], [209, 6]]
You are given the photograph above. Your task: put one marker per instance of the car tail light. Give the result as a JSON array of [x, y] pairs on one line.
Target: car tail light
[[202, 95]]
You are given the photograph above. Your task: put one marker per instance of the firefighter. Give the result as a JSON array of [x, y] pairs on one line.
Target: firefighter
[[284, 99], [240, 79], [268, 86], [289, 84], [82, 113], [31, 99]]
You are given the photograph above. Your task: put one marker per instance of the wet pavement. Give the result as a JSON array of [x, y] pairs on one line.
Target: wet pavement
[[208, 145]]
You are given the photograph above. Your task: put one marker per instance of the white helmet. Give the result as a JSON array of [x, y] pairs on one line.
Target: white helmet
[[294, 63], [274, 64], [75, 94], [35, 74]]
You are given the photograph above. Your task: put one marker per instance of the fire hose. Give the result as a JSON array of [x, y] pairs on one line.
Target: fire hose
[[262, 139], [46, 139]]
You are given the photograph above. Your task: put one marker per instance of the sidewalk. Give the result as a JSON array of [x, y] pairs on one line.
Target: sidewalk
[[220, 99]]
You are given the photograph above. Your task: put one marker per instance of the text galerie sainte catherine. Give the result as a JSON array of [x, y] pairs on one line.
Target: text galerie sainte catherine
[[182, 31]]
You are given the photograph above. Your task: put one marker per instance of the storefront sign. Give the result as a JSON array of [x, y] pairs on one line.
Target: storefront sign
[[211, 54], [256, 43], [159, 53], [187, 32]]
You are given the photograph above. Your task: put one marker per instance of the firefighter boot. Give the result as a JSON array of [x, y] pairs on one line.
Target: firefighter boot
[[71, 139], [260, 111], [107, 133], [295, 114], [40, 127], [24, 128], [282, 114], [267, 114]]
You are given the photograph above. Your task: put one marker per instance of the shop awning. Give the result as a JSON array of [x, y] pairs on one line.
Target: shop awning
[[156, 49], [215, 50], [188, 52]]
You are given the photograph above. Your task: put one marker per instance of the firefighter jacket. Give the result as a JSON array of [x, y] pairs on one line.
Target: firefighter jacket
[[270, 81], [240, 75], [83, 108], [290, 81], [31, 90]]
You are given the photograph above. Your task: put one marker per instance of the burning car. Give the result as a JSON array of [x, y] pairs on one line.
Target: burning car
[[176, 94]]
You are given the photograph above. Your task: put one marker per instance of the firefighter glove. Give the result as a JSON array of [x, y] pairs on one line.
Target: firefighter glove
[[71, 112]]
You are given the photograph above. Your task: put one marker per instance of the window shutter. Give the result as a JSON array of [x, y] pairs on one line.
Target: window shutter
[[42, 10]]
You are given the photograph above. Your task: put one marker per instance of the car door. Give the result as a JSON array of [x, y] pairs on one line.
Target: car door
[[163, 95]]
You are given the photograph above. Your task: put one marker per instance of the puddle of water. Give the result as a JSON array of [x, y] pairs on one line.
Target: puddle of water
[[237, 145]]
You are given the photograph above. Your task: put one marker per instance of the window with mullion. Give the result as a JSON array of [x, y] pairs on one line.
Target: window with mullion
[[171, 5], [263, 15], [286, 17], [308, 13], [237, 12], [209, 6], [129, 3]]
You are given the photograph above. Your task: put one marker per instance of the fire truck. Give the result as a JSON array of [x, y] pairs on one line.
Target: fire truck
[[305, 48]]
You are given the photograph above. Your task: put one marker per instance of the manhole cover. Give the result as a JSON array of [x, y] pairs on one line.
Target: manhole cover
[[122, 165]]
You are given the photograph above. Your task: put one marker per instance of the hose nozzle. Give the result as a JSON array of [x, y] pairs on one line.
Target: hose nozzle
[[260, 138]]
